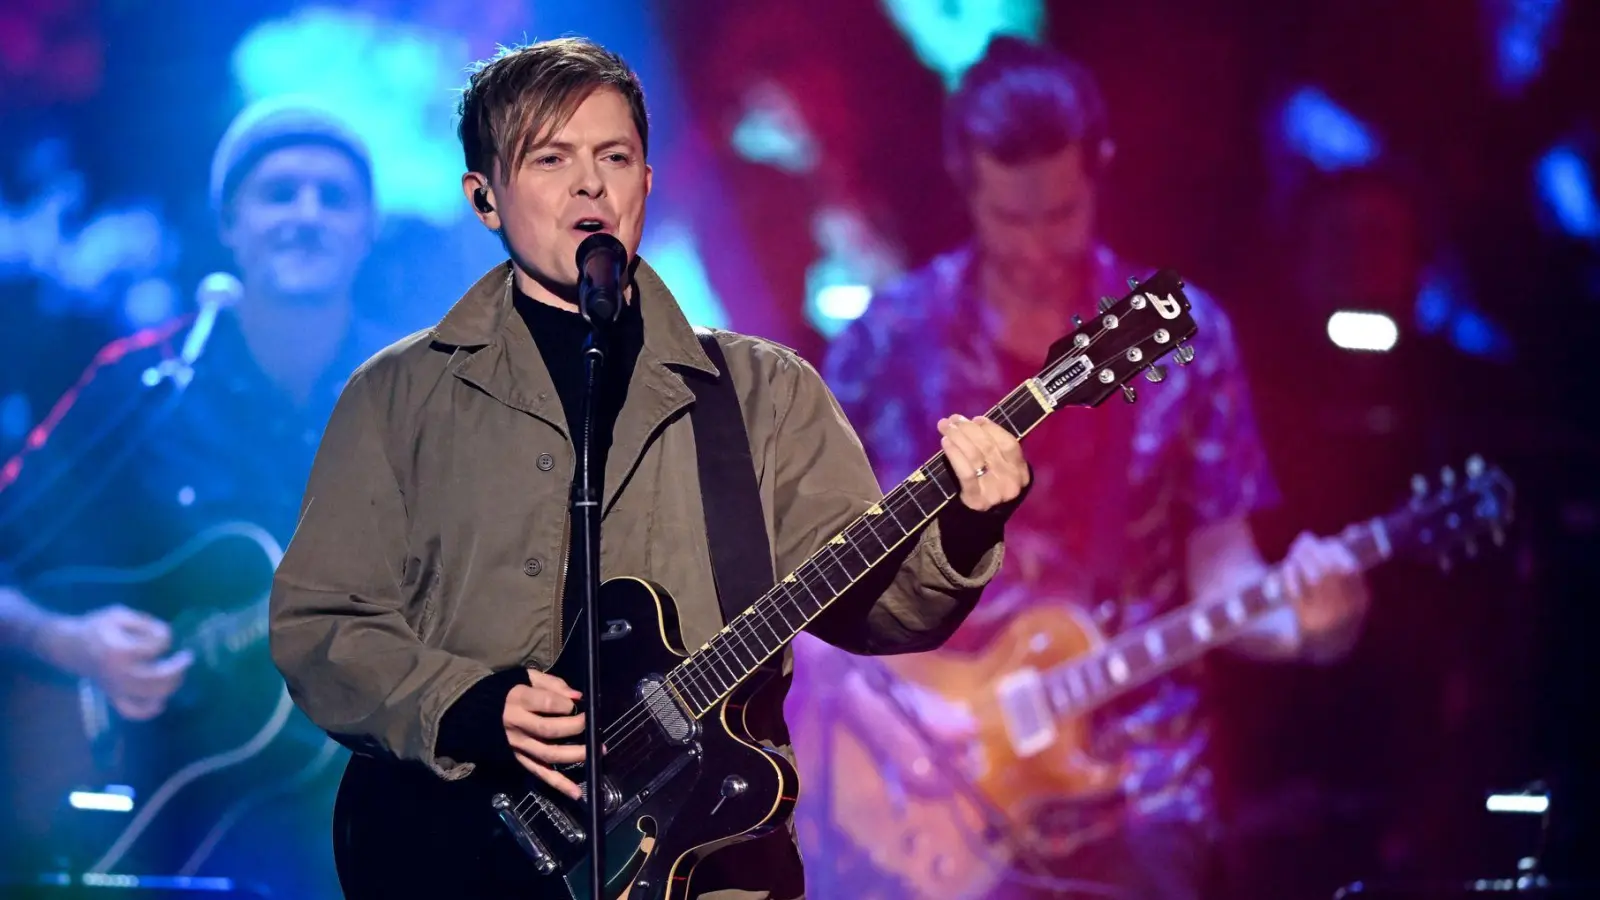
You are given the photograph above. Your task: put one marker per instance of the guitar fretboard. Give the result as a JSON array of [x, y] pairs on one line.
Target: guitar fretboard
[[778, 616], [1183, 635]]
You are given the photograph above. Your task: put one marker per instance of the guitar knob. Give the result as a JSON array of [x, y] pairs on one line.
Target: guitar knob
[[1184, 354], [1133, 283], [1107, 302], [1129, 394], [1155, 374]]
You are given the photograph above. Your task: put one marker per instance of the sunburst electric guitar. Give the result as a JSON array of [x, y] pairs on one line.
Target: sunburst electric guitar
[[1025, 700]]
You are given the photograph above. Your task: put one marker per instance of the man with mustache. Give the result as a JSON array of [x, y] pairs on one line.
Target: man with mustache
[[291, 186]]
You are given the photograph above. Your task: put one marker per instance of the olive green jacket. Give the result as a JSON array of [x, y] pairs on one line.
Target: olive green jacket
[[433, 534]]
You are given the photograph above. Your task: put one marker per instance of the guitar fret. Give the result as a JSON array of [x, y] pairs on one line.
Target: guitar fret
[[693, 692], [804, 607], [855, 544], [807, 603], [758, 629], [762, 628], [832, 572], [783, 616], [738, 639], [877, 539], [1096, 679], [1004, 419], [920, 508], [891, 512]]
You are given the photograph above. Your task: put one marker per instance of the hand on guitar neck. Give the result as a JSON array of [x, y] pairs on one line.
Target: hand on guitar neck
[[1330, 596], [1319, 575], [124, 652]]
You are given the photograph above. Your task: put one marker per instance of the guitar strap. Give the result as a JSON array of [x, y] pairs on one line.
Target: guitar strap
[[741, 563], [736, 529]]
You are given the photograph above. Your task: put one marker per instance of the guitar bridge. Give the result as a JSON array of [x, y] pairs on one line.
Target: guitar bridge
[[519, 828]]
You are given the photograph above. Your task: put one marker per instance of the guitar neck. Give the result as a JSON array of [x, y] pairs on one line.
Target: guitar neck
[[755, 636], [1138, 656]]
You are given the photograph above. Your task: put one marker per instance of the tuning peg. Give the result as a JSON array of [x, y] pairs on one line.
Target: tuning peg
[[1419, 486], [1077, 321], [1184, 354], [1133, 283], [1447, 477], [1128, 393], [1155, 374], [1107, 302], [1475, 467]]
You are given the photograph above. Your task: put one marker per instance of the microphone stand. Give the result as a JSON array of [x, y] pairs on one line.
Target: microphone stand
[[125, 429], [585, 513]]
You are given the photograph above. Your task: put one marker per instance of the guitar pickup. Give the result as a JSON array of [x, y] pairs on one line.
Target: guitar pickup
[[1026, 712]]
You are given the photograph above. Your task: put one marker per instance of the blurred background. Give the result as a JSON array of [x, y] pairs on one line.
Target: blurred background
[[1428, 161]]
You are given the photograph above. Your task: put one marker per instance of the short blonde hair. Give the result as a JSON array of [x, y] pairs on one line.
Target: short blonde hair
[[518, 98]]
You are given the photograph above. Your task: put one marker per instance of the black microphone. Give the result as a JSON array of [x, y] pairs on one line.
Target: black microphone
[[602, 262]]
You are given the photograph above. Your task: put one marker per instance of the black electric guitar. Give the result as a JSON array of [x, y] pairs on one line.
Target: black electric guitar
[[682, 776], [157, 796]]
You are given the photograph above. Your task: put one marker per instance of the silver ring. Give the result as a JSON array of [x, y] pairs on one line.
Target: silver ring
[[980, 471]]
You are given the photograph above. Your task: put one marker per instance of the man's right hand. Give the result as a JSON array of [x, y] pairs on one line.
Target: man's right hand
[[120, 650], [537, 714]]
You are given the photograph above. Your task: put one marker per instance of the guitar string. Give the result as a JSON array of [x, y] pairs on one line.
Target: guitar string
[[764, 614], [787, 592], [759, 616], [694, 670], [694, 666], [631, 723]]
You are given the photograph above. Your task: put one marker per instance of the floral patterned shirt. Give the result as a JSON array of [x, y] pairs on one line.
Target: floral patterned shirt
[[1116, 492]]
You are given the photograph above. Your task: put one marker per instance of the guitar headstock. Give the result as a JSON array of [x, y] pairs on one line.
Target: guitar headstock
[[1453, 517], [1124, 338]]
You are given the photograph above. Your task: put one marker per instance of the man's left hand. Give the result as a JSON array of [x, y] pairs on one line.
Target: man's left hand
[[1331, 596], [986, 459]]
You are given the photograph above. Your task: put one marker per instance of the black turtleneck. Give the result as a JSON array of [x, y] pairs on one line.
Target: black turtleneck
[[560, 335], [471, 730]]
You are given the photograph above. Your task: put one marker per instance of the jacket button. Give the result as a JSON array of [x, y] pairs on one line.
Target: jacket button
[[532, 567], [546, 462]]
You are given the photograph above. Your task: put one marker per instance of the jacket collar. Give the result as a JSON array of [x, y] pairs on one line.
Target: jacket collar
[[502, 360]]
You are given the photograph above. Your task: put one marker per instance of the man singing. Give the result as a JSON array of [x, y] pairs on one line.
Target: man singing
[[428, 584]]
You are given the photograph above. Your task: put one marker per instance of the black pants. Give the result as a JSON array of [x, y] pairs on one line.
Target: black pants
[[1154, 861]]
